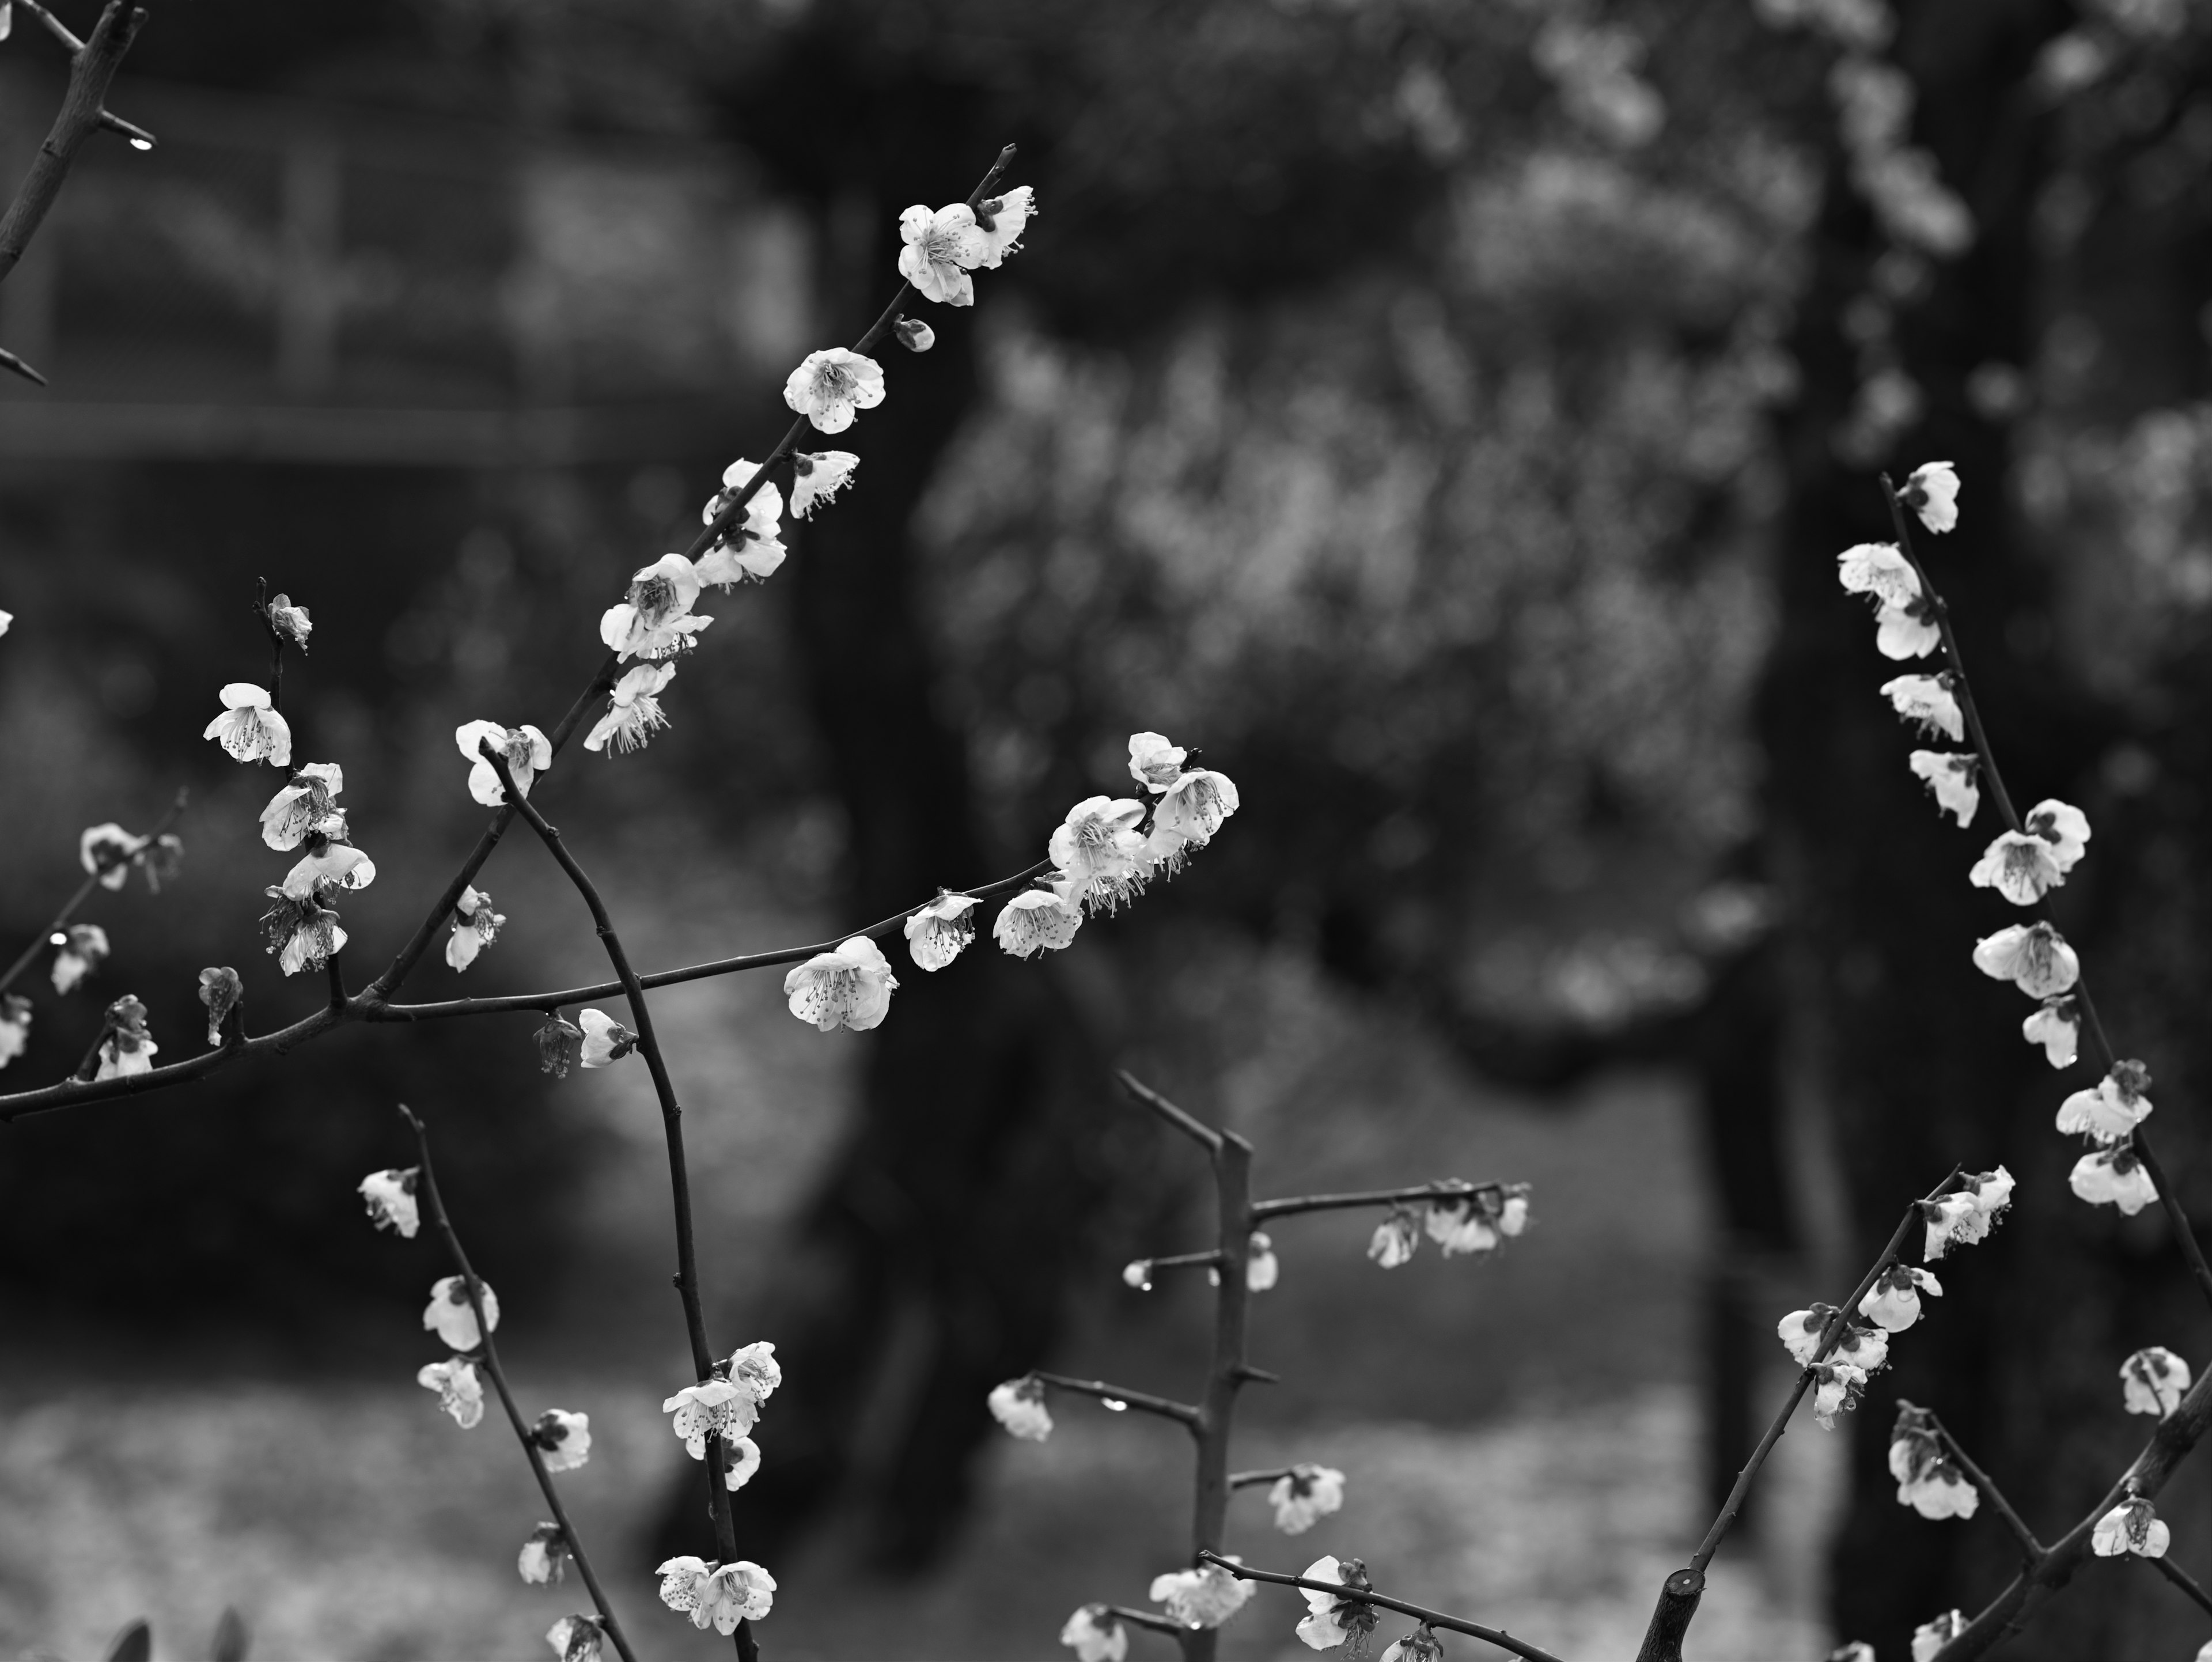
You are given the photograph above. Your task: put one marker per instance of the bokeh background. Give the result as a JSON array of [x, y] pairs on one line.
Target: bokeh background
[[1445, 414]]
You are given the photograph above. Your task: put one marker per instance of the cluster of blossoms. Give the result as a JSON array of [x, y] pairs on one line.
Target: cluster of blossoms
[[301, 927], [1929, 1479], [1205, 1597], [724, 1406], [1469, 1222]]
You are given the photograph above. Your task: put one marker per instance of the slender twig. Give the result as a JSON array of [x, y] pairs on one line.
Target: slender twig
[[2182, 1578], [93, 65], [1166, 1407], [1205, 1135], [1151, 1619], [41, 940], [435, 1205], [1444, 1189], [672, 1123], [1498, 1636], [1253, 1479], [1209, 1259], [2030, 1547], [276, 644]]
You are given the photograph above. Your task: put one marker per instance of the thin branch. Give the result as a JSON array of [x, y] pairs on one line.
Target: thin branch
[[435, 1205], [2030, 1547], [1166, 1407], [1205, 1135], [61, 920], [276, 644], [1209, 1259], [1253, 1479], [2182, 1578], [1151, 1619], [1498, 1636], [15, 366], [1442, 1189], [92, 68]]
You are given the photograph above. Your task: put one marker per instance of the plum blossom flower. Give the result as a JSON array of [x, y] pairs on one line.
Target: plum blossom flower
[[1137, 1275], [2063, 826], [2113, 1177], [309, 803], [2056, 1026], [817, 478], [937, 933], [655, 619], [1018, 1405], [125, 1048], [606, 1041], [1421, 1646], [1192, 807], [1474, 1222], [1836, 1391], [563, 1439], [1002, 220], [741, 1458], [577, 1639], [1799, 1332], [2022, 868], [560, 1046], [83, 947], [328, 865], [2153, 1381], [15, 1026], [303, 932], [1928, 700], [1965, 1216], [1095, 1635], [1866, 1348], [1096, 851], [1396, 1238], [108, 850], [633, 710], [2033, 957], [545, 1555], [716, 1595], [251, 728], [1154, 762], [1261, 1271], [460, 1393], [453, 1318], [1930, 1637], [1330, 1620], [913, 334], [1304, 1495], [2135, 1526], [2110, 1109], [851, 986], [829, 387], [1932, 492], [1892, 1303], [1203, 1598], [290, 621], [1905, 632], [1880, 570], [527, 752], [1036, 921], [755, 552], [681, 1579], [713, 1407], [763, 509], [390, 1197], [941, 249], [754, 1370], [1928, 1479], [1951, 774], [476, 926]]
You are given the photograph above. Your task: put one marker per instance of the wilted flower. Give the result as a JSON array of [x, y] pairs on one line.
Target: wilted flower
[[1304, 1495], [476, 926], [1932, 492], [453, 1318], [108, 850], [1097, 850], [1202, 1598], [1928, 1479], [1018, 1405], [941, 249], [1421, 1646], [1951, 774], [84, 946], [1799, 1332], [655, 619], [328, 865], [816, 478], [1329, 1620], [2135, 1526], [1396, 1238], [2111, 1108], [1928, 700], [2021, 868], [563, 1439], [1154, 762], [460, 1393], [1965, 1216], [1036, 921], [221, 991], [851, 986], [527, 752], [1002, 219], [125, 1048], [605, 1041], [545, 1555], [560, 1045], [633, 710], [713, 1407], [390, 1197], [2058, 1028], [15, 1026], [1878, 569], [301, 931], [251, 728], [1906, 631], [2113, 1177], [2155, 1380], [936, 933], [830, 385], [309, 803], [1930, 1637], [1836, 1390], [913, 334], [2033, 957], [741, 1458], [163, 860], [1893, 1301], [290, 621], [577, 1639], [1095, 1635]]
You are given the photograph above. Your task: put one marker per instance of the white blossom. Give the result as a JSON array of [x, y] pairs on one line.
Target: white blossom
[[221, 991], [15, 1026], [2033, 957], [1096, 851], [747, 557], [655, 619], [937, 933], [1905, 632], [83, 947], [577, 1639], [2063, 826], [2022, 869], [1965, 1216], [606, 1041], [1473, 1222], [453, 1318], [741, 1458], [742, 1591], [1095, 1635], [1928, 700], [563, 1439], [527, 752], [713, 1407], [633, 710], [1878, 569], [941, 249], [2113, 1177], [1018, 1405], [1036, 921], [1952, 776], [816, 477], [763, 509], [830, 385], [545, 1555], [1137, 1275], [1330, 1620], [303, 932], [1192, 807], [328, 866], [1928, 1479], [2056, 1026], [390, 1197], [851, 986], [754, 1370], [1866, 1348], [1304, 1496], [1932, 492], [2153, 1381], [1930, 1637], [460, 1393], [1003, 219], [2111, 1108], [7, 618], [1799, 1332], [1396, 1238], [476, 926], [2135, 1526], [107, 850], [1421, 1646], [1836, 1390], [251, 728], [1260, 1268], [1892, 1303], [308, 803], [125, 1048], [1154, 762], [1202, 1598], [681, 1579]]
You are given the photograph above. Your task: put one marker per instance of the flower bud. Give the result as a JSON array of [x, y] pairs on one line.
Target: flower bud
[[221, 991], [290, 621], [913, 334]]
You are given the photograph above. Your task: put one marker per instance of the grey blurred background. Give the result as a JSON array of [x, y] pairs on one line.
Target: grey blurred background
[[1445, 415]]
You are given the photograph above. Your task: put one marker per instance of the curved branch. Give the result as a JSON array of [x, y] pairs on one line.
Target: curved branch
[[1166, 1407], [1498, 1636], [29, 955], [2030, 1547]]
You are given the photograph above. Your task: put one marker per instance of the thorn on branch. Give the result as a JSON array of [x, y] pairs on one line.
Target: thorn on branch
[[9, 361], [139, 137]]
